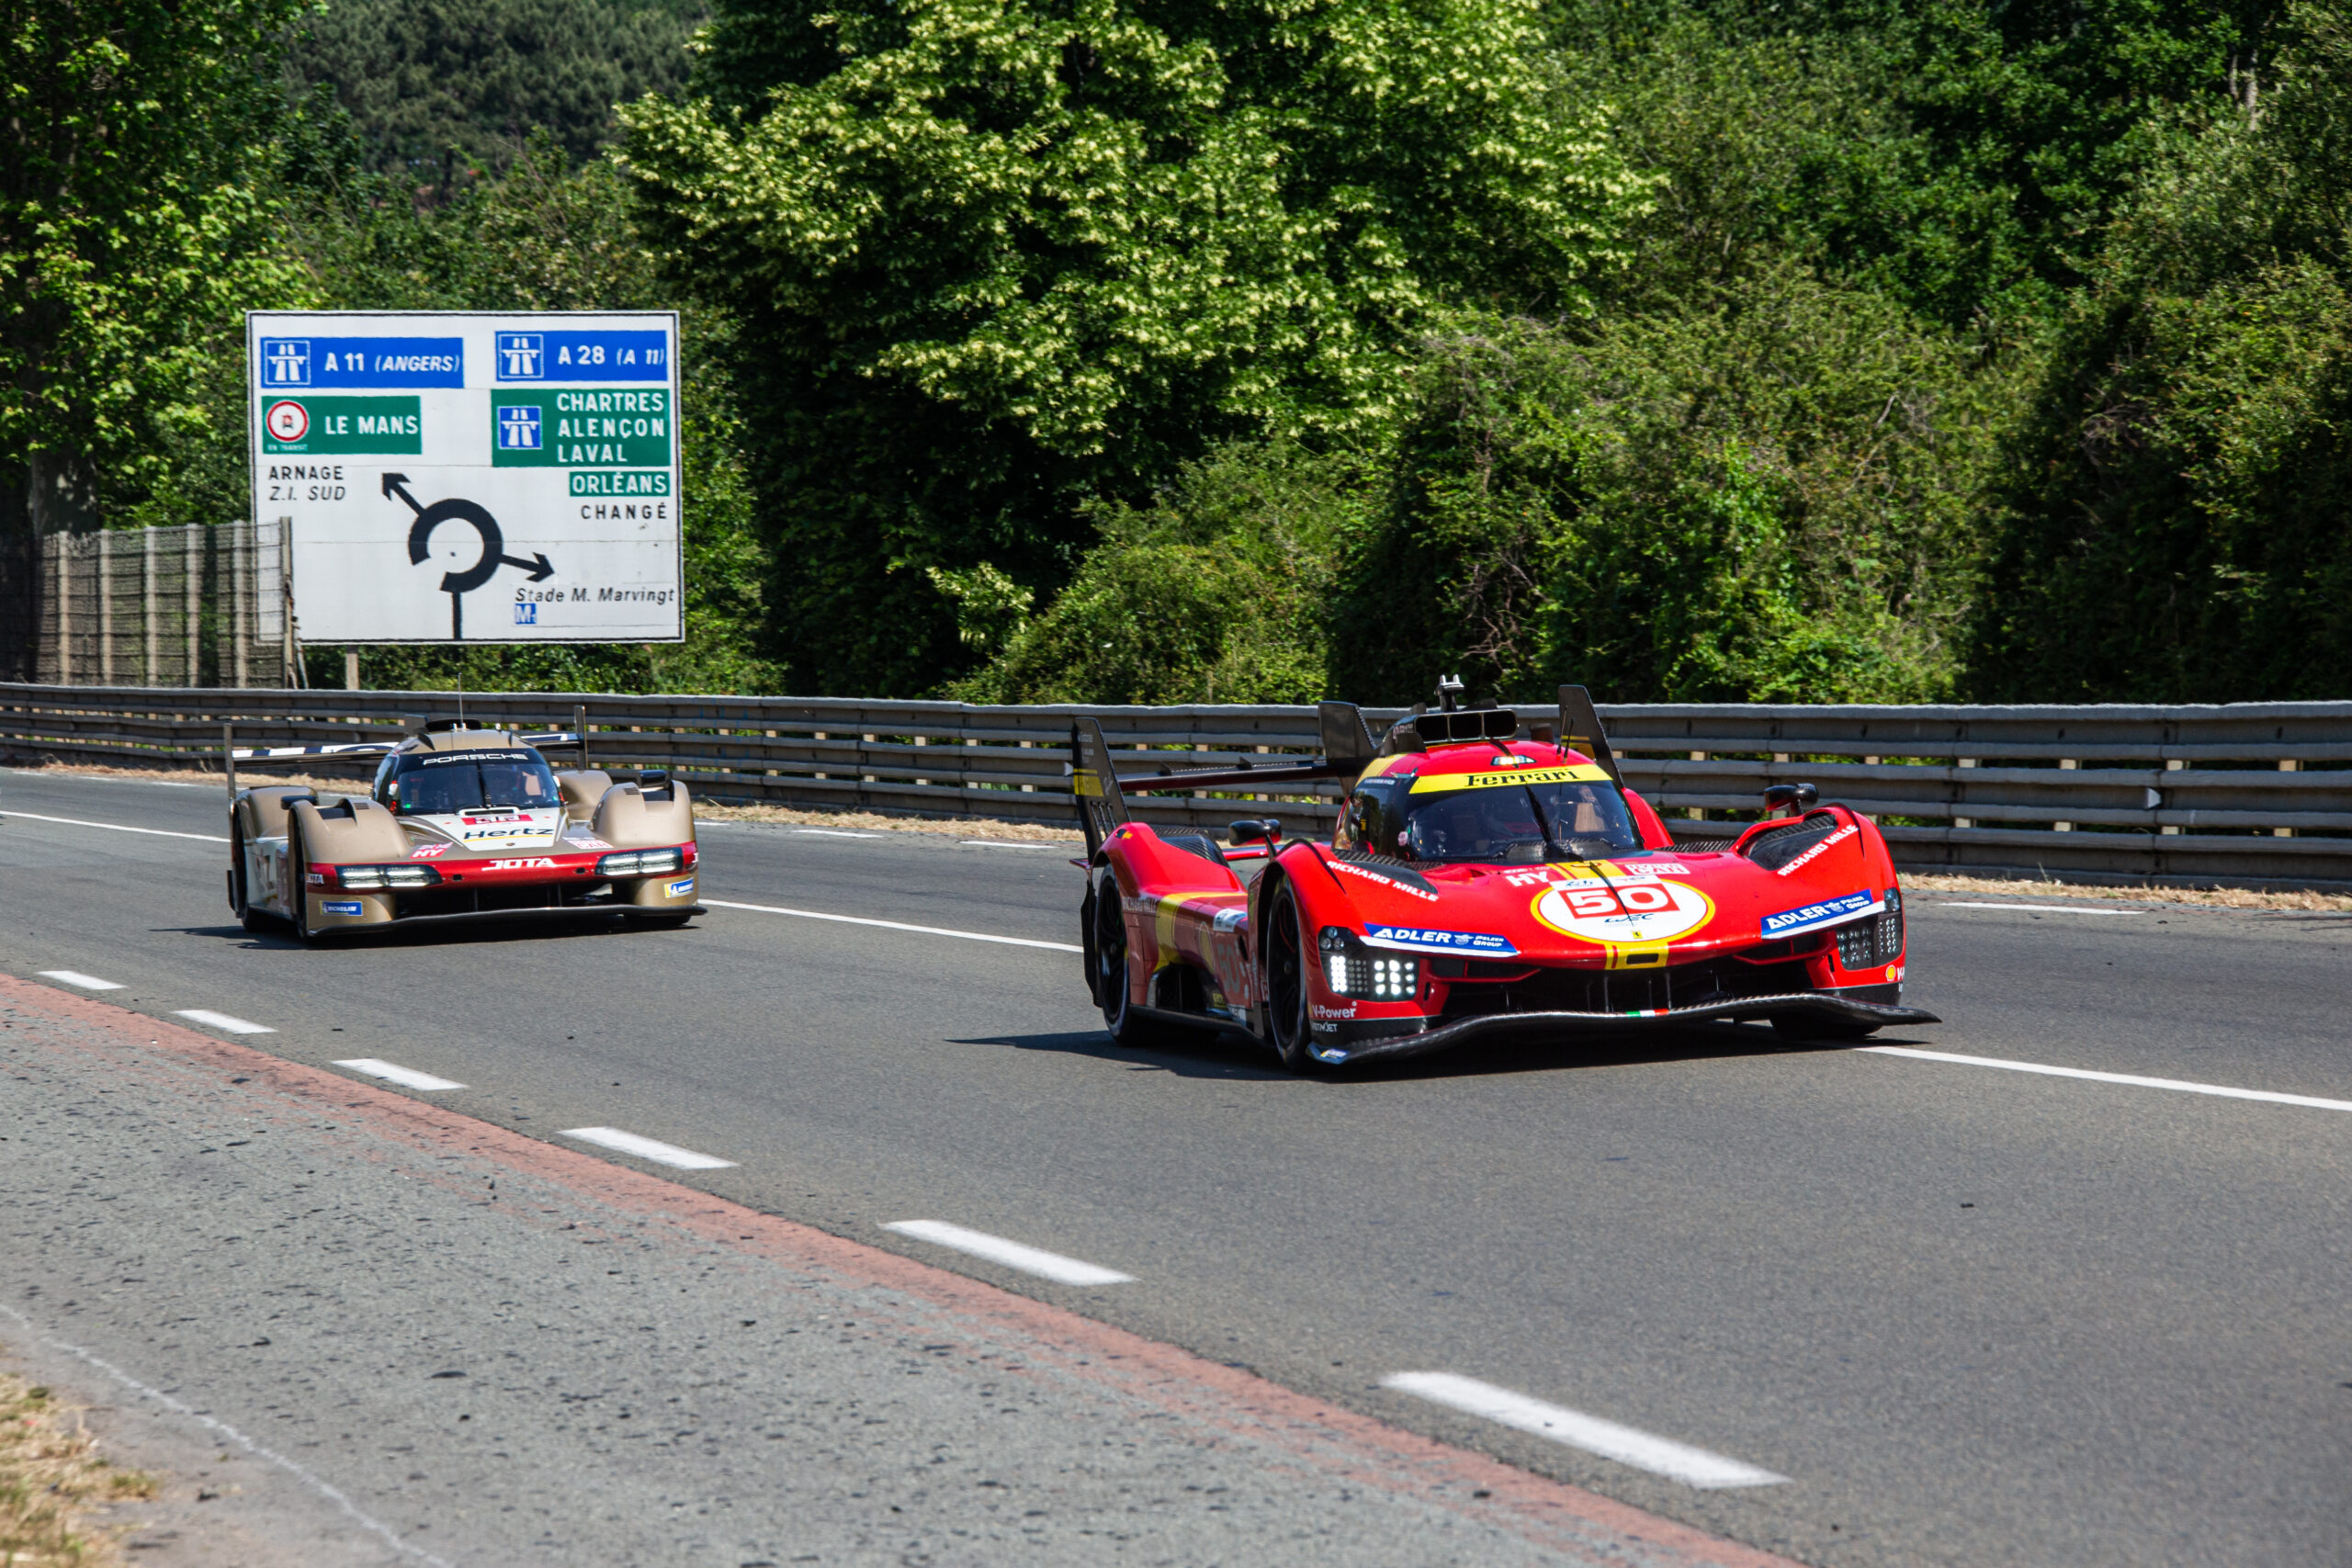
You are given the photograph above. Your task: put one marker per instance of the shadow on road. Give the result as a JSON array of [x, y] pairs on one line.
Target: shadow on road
[[1231, 1056], [535, 927]]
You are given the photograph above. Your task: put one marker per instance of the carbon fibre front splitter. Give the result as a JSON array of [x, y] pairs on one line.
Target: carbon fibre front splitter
[[1827, 1008]]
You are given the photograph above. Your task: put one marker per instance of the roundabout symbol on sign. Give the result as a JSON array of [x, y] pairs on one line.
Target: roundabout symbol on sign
[[288, 421], [457, 582]]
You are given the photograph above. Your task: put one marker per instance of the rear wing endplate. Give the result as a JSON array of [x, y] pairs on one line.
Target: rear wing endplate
[[1100, 789], [1580, 730]]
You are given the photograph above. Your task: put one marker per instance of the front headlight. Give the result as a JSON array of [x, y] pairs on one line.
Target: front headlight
[[1352, 970], [360, 875], [639, 863]]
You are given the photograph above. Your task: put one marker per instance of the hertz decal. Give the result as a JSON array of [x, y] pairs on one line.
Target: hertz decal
[[1583, 773]]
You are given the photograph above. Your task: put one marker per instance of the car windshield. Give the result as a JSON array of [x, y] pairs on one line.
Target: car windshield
[[1513, 824], [467, 781]]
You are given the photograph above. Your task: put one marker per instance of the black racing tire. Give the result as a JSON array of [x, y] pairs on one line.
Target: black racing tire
[[1822, 1030], [298, 884], [240, 893], [1287, 1025], [1109, 947]]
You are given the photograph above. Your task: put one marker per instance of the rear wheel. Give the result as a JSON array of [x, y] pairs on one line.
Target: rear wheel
[[1286, 1021], [1110, 988]]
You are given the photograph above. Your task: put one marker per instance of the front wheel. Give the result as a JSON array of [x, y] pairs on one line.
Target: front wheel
[[298, 889], [240, 893], [1287, 1028]]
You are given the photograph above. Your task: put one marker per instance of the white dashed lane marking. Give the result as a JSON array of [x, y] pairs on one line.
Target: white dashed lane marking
[[1011, 1254], [1626, 1445], [222, 1021], [75, 977], [832, 833], [897, 926], [2131, 1080], [647, 1148], [407, 1078], [118, 827]]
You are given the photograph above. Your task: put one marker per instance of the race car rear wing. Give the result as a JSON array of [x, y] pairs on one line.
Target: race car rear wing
[[231, 754], [1100, 789]]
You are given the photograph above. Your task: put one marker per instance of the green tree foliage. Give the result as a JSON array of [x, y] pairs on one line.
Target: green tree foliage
[[436, 87], [2176, 530], [1219, 593], [132, 227], [996, 261], [1764, 496]]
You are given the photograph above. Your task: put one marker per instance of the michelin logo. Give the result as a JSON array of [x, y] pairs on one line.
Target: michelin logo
[[354, 908], [1828, 912], [1414, 939]]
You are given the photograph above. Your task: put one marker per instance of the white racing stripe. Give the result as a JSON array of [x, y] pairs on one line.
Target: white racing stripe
[[407, 1078], [2131, 1080], [897, 926], [2036, 908], [1659, 1456], [222, 1021], [647, 1148], [118, 827], [1011, 1254], [75, 977]]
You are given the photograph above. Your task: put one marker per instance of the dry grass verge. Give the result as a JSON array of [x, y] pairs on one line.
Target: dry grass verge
[[49, 1469]]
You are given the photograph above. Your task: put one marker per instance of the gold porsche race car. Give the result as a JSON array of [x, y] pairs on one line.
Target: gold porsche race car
[[462, 823]]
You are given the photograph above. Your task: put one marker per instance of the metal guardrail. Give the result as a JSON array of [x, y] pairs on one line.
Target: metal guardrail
[[2252, 791]]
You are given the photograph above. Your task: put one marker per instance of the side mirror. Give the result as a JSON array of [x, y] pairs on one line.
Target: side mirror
[[1267, 830], [1789, 796]]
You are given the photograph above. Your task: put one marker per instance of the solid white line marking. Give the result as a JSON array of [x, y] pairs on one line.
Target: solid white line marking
[[1659, 1456], [647, 1148], [1004, 844], [2038, 908], [2130, 1080], [75, 977], [1011, 1254], [211, 1425], [897, 926], [222, 1021], [833, 833], [104, 778], [117, 827], [407, 1078]]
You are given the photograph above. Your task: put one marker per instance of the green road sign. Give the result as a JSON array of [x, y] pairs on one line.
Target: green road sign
[[616, 429], [316, 425]]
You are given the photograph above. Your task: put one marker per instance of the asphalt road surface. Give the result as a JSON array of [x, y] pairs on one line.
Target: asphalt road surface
[[1938, 1312]]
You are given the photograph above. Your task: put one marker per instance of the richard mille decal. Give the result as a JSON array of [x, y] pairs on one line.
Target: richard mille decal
[[1847, 831], [1385, 881]]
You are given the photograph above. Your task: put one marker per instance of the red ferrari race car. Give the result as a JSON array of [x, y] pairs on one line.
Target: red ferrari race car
[[1484, 878]]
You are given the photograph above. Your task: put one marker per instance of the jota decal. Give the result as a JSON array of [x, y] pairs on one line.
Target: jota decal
[[1414, 940], [1424, 784], [1828, 912], [539, 863]]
